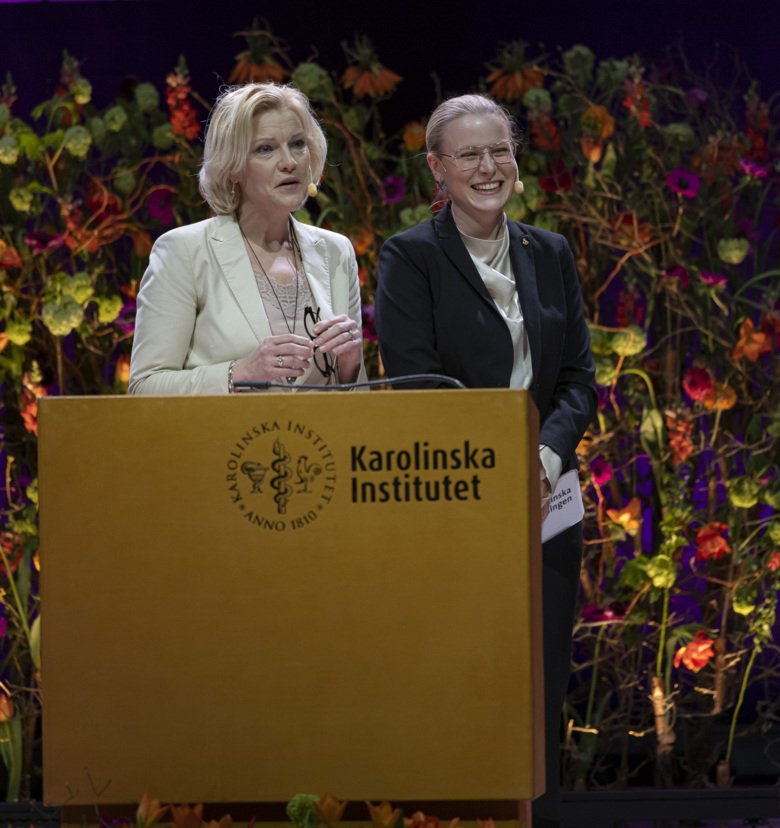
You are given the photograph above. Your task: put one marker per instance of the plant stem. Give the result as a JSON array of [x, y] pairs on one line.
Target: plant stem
[[740, 699]]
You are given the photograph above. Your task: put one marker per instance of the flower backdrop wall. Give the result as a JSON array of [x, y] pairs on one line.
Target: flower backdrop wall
[[667, 189]]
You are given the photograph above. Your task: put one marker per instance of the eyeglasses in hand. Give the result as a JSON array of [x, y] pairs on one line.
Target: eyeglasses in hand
[[324, 363]]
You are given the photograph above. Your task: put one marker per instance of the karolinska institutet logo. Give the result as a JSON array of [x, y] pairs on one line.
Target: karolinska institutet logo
[[280, 475], [420, 473]]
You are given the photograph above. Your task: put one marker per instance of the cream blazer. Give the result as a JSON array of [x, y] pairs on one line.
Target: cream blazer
[[199, 307]]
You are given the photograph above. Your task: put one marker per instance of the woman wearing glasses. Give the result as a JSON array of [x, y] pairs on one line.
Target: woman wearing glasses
[[251, 294], [495, 304]]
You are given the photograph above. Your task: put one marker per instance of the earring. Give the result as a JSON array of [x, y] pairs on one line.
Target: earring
[[233, 190], [519, 187], [311, 189]]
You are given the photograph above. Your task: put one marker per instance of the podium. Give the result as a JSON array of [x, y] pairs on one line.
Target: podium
[[252, 596]]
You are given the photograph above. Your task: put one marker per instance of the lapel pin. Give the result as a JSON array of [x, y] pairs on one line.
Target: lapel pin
[[525, 242]]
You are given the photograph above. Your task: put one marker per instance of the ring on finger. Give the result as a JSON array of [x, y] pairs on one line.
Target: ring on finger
[[280, 361], [351, 334]]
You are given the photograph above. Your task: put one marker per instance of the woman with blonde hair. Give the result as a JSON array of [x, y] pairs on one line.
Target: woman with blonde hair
[[251, 294]]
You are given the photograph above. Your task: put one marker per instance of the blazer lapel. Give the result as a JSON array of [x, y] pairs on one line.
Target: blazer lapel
[[453, 247], [230, 252], [521, 254], [314, 252]]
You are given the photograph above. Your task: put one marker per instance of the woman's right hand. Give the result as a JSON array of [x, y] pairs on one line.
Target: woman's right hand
[[275, 359]]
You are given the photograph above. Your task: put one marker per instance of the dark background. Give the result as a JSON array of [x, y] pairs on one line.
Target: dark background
[[143, 39]]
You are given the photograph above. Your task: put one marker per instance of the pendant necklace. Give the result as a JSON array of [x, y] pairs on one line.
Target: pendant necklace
[[271, 284]]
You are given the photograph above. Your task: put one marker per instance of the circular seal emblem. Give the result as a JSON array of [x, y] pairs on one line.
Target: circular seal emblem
[[280, 475]]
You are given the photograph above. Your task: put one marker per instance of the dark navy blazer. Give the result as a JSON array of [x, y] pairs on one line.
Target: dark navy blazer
[[434, 314]]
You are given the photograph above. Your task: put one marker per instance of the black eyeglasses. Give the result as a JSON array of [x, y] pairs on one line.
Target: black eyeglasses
[[324, 363]]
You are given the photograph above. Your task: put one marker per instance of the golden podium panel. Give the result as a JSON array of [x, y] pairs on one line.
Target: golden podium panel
[[251, 596]]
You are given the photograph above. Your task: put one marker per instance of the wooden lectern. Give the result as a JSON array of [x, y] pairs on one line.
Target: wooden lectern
[[253, 596]]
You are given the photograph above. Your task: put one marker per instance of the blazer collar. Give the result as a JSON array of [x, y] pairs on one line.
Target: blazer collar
[[230, 252], [453, 247], [522, 258], [314, 252]]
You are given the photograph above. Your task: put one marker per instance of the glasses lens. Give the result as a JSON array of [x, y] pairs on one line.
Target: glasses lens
[[471, 157]]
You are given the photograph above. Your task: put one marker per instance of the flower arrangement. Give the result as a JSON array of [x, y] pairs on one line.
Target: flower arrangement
[[667, 190]]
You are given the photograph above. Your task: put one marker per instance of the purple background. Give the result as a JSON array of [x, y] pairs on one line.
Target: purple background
[[117, 38]]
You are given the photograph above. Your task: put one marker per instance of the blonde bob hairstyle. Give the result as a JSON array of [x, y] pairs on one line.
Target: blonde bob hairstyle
[[229, 135], [453, 108]]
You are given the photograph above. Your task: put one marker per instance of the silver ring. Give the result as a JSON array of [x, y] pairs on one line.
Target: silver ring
[[351, 334], [280, 361]]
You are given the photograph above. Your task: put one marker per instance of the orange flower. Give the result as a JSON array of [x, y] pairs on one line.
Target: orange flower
[[597, 125], [186, 817], [367, 77], [142, 243], [362, 240], [225, 822], [697, 653], [329, 809], [384, 815], [637, 102], [149, 811], [720, 398], [592, 148], [6, 707], [752, 343], [597, 122], [629, 231], [31, 393], [544, 133], [711, 542], [122, 370], [414, 136], [420, 820], [9, 256], [679, 429], [247, 70], [372, 82], [4, 340], [511, 85], [629, 517], [773, 564]]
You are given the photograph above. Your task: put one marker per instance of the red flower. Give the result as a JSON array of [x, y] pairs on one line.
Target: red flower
[[697, 384], [557, 178], [637, 102], [697, 653], [773, 564], [679, 430], [600, 471], [629, 231], [183, 117], [680, 274], [711, 542], [9, 256], [544, 133]]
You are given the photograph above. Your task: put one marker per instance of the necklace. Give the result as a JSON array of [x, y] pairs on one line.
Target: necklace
[[271, 284]]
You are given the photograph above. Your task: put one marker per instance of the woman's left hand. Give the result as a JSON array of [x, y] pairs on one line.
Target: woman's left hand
[[341, 337]]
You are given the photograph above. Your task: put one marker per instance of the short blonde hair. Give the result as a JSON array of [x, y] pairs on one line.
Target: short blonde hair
[[229, 138], [454, 108]]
